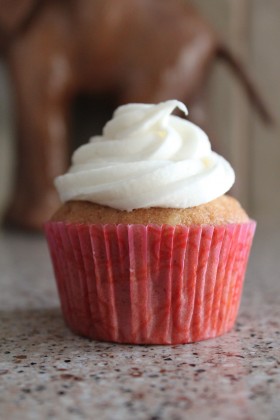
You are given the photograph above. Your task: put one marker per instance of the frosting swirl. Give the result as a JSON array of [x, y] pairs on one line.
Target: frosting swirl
[[147, 157]]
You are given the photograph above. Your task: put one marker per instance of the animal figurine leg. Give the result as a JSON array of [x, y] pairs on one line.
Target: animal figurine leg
[[42, 148]]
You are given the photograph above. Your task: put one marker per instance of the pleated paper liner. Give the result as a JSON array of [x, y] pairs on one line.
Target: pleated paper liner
[[149, 284]]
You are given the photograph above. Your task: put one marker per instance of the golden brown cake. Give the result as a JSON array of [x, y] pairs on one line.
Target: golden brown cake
[[223, 210]]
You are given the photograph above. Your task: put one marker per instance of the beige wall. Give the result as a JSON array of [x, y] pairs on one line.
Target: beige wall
[[265, 144], [252, 29], [229, 108]]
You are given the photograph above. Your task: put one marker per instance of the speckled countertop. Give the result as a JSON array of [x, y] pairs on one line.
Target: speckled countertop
[[48, 373]]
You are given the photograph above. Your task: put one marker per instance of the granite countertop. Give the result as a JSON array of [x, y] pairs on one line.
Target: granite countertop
[[46, 372]]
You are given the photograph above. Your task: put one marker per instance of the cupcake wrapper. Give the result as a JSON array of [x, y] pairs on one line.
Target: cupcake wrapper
[[149, 284]]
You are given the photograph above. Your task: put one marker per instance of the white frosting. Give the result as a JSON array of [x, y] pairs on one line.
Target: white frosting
[[147, 157]]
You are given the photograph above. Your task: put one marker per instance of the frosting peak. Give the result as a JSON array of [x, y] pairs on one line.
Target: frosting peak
[[147, 157]]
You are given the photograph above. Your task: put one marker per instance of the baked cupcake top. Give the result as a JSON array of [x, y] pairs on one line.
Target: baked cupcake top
[[147, 158], [148, 166], [220, 211]]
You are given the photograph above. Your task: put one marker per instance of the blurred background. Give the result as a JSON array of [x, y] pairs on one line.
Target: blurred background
[[252, 30]]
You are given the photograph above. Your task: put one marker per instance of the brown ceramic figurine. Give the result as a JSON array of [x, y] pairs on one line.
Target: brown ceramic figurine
[[138, 50]]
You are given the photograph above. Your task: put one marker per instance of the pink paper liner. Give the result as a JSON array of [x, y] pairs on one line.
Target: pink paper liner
[[149, 284]]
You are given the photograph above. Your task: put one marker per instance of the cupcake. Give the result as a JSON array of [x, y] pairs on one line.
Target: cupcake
[[146, 247]]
